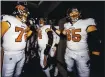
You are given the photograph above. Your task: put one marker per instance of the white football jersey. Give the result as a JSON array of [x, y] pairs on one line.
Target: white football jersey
[[77, 35], [15, 38], [42, 36]]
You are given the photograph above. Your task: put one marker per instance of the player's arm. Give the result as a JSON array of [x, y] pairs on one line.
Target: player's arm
[[50, 41], [93, 37], [48, 46], [5, 25], [29, 33], [59, 32]]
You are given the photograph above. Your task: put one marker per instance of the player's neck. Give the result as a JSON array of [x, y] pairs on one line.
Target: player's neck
[[18, 18], [73, 22], [42, 25]]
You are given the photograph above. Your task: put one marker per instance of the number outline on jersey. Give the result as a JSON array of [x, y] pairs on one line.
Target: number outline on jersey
[[19, 37], [71, 35]]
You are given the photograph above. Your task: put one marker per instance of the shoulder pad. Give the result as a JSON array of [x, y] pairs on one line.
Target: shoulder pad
[[90, 21], [48, 29], [7, 17]]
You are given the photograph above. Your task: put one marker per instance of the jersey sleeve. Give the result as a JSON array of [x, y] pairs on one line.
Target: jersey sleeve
[[6, 18], [91, 21], [65, 25]]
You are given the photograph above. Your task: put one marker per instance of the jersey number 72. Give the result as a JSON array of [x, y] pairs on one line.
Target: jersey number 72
[[21, 30]]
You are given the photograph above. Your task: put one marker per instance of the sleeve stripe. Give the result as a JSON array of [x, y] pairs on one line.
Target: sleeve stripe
[[89, 26], [9, 23]]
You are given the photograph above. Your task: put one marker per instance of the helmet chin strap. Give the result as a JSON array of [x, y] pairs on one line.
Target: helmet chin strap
[[41, 25]]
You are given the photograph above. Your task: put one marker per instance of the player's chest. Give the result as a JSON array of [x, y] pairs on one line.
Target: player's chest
[[76, 31], [18, 26]]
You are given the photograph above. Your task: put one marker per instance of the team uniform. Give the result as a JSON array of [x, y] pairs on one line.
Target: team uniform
[[77, 47], [14, 42], [42, 42]]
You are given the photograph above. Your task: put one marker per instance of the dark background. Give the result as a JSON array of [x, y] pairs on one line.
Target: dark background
[[57, 10]]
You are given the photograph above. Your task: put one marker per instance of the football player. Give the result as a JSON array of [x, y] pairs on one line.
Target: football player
[[45, 41], [14, 33], [77, 31], [31, 41]]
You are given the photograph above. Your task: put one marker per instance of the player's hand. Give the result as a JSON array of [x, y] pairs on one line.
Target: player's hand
[[96, 53], [39, 30], [58, 32], [27, 29], [64, 32], [45, 60]]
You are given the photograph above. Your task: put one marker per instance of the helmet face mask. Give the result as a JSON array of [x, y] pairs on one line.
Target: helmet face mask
[[23, 17], [41, 22], [74, 14]]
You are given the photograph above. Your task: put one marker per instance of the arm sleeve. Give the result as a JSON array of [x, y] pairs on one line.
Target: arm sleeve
[[50, 42], [61, 34], [94, 41]]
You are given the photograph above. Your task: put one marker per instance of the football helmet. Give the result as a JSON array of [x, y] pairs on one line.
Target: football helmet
[[21, 11], [31, 24], [73, 14], [42, 22]]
